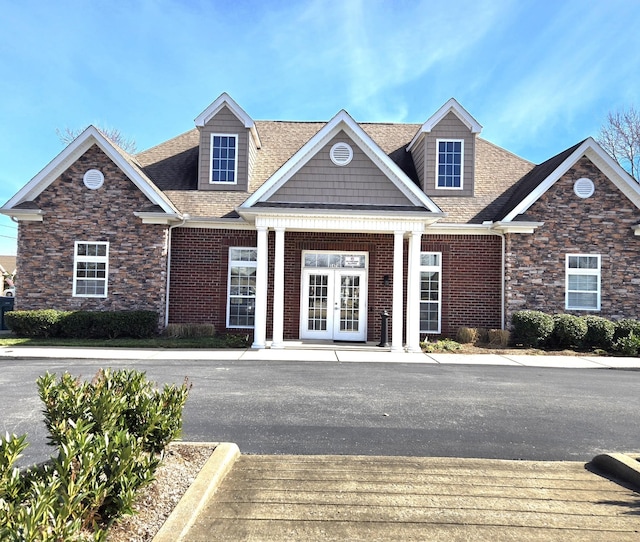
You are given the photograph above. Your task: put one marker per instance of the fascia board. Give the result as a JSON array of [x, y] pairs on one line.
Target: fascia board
[[616, 173], [27, 215], [453, 106], [342, 121], [70, 154], [535, 194], [592, 150]]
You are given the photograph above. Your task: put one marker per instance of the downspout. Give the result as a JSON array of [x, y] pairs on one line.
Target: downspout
[[502, 281], [503, 274], [185, 217]]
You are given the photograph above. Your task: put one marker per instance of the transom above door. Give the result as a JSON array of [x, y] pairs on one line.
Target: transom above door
[[334, 296]]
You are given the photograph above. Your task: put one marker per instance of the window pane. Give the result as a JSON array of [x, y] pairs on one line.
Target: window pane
[[583, 300], [223, 161]]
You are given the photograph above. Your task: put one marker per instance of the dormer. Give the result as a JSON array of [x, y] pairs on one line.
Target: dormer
[[228, 145], [443, 151]]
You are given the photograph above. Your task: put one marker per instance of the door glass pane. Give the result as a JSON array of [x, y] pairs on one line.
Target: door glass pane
[[349, 302], [318, 300]]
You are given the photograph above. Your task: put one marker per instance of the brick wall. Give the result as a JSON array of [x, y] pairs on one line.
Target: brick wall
[[199, 263], [601, 224], [72, 212]]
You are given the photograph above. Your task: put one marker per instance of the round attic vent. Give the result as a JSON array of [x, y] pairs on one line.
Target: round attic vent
[[341, 154], [584, 188], [93, 179]]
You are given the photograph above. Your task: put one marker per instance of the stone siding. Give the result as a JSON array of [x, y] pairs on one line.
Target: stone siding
[[72, 212], [601, 224]]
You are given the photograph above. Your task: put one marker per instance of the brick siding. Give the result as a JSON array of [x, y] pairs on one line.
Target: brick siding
[[199, 269], [72, 212], [601, 224]]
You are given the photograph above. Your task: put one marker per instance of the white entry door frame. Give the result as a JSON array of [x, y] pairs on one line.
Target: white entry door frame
[[334, 296]]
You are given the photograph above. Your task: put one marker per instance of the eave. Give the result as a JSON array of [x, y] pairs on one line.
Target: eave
[[516, 227], [24, 215]]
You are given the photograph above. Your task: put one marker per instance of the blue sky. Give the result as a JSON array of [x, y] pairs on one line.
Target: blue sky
[[538, 75]]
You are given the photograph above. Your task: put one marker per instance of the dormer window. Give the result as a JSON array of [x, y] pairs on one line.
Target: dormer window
[[449, 163], [224, 162]]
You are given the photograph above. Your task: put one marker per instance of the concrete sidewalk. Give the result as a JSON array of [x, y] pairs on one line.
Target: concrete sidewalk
[[333, 354], [400, 498]]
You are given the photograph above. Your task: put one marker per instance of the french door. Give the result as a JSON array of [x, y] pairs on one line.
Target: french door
[[334, 304]]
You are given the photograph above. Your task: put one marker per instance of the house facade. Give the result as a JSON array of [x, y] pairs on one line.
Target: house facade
[[310, 230]]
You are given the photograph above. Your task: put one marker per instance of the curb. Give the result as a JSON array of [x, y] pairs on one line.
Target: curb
[[624, 467], [177, 525]]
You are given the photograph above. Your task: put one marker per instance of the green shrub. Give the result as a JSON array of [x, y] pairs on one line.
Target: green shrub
[[531, 328], [40, 323], [109, 324], [628, 345], [112, 401], [569, 331], [109, 432], [600, 332], [626, 327], [443, 345]]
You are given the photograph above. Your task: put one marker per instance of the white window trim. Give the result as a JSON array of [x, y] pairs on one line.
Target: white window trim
[[592, 272], [437, 268], [461, 141], [92, 259], [238, 263], [235, 165]]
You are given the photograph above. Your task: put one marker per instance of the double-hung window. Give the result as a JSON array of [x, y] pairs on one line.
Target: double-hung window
[[224, 158], [90, 269], [241, 305], [449, 163], [582, 282], [430, 288]]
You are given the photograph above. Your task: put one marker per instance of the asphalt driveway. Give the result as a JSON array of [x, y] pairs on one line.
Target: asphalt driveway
[[298, 407]]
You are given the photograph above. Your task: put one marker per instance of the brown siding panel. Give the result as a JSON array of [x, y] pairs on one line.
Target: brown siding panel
[[224, 122], [450, 127], [321, 181]]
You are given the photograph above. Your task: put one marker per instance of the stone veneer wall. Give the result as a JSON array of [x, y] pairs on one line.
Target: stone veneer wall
[[471, 285], [601, 224], [72, 212]]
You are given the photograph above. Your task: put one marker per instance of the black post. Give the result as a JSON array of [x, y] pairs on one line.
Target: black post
[[384, 334]]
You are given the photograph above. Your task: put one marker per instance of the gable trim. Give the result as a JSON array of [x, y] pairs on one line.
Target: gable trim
[[225, 100], [89, 137], [342, 122], [452, 106], [594, 152]]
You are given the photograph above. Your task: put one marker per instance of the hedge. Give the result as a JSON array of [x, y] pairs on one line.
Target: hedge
[[83, 324], [531, 328]]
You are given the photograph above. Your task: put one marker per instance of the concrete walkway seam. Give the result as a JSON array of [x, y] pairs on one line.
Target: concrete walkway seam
[[622, 466], [177, 525]]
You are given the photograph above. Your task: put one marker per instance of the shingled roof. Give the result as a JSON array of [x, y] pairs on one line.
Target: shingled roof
[[173, 168], [532, 180]]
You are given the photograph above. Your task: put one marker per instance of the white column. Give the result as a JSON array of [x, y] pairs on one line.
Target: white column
[[259, 332], [278, 291], [397, 311], [413, 293]]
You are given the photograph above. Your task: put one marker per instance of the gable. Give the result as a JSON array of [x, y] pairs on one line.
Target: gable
[[341, 123], [21, 205], [321, 181], [539, 180]]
